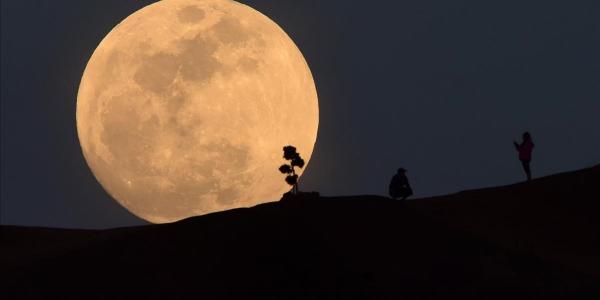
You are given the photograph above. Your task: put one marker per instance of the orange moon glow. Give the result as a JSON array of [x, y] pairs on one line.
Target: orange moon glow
[[184, 108]]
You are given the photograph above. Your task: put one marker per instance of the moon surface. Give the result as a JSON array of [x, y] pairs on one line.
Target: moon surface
[[185, 106]]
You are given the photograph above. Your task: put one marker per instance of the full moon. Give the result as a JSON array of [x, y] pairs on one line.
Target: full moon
[[185, 106]]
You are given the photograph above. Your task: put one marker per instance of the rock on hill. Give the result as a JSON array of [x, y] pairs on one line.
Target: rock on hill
[[536, 240]]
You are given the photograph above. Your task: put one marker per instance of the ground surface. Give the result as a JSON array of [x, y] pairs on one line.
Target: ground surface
[[536, 240]]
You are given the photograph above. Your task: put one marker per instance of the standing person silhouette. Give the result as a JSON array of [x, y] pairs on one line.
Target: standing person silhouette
[[399, 186], [525, 149]]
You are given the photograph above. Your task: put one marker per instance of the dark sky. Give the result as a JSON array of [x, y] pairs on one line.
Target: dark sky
[[439, 87]]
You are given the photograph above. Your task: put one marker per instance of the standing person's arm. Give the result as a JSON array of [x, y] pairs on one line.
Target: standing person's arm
[[516, 145]]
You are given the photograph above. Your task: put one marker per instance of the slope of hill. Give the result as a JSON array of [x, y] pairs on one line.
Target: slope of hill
[[555, 217], [485, 244]]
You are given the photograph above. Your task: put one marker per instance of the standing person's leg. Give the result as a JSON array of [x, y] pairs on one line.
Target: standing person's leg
[[527, 168]]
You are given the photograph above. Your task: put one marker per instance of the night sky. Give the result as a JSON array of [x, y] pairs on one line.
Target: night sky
[[439, 87]]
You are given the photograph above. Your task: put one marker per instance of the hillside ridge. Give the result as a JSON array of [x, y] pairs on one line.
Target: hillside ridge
[[528, 240]]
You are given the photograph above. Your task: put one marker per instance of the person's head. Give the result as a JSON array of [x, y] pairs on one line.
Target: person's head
[[526, 136], [401, 170]]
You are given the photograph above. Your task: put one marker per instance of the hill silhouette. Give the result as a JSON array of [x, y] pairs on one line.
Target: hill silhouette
[[534, 240]]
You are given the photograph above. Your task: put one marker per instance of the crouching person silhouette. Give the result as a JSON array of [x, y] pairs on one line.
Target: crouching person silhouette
[[399, 186]]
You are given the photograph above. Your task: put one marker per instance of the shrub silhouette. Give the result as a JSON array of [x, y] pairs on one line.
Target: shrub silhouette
[[289, 153]]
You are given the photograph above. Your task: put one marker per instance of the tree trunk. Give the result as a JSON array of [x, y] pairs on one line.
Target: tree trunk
[[295, 187]]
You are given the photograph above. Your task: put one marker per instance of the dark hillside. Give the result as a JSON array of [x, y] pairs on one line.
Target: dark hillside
[[555, 217], [362, 247]]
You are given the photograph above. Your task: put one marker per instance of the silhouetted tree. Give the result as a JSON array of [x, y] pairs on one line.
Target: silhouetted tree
[[289, 153]]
